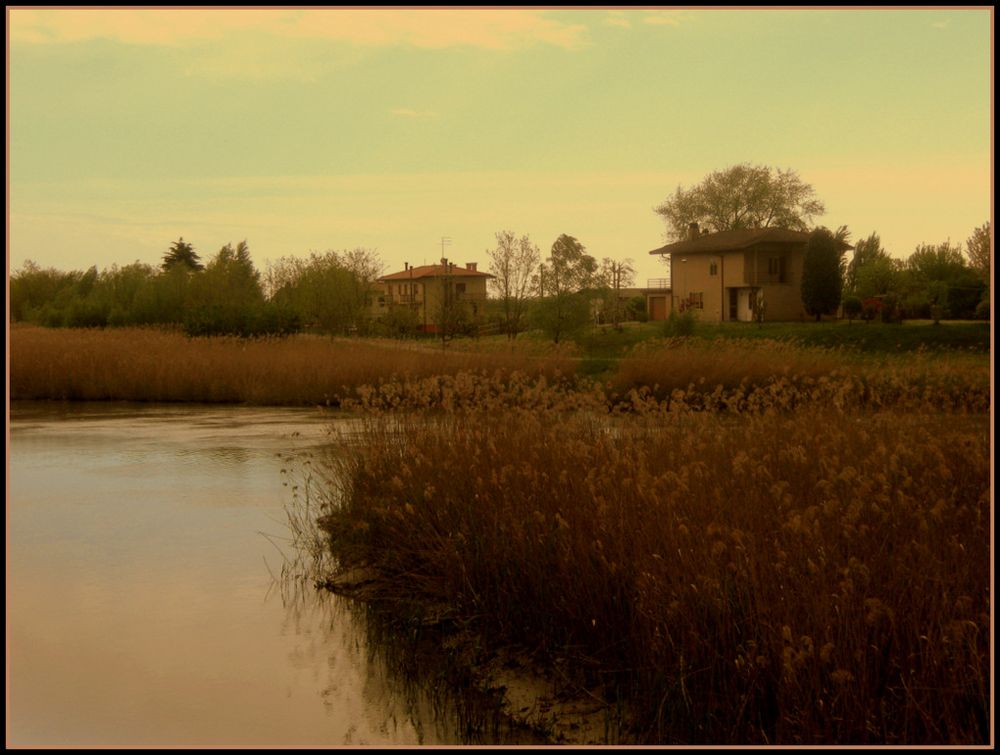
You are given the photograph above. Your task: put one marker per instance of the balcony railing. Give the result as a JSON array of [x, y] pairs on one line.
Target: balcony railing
[[658, 283], [392, 300]]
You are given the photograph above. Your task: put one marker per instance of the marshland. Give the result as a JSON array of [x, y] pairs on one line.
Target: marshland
[[710, 539]]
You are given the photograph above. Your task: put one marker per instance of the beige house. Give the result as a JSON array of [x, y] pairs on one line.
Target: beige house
[[723, 276], [432, 290]]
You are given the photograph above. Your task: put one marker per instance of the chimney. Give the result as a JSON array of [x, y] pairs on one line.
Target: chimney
[[470, 266], [444, 261], [692, 231], [406, 266]]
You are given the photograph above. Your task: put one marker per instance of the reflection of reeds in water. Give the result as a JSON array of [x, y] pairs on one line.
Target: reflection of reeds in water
[[802, 569], [405, 677]]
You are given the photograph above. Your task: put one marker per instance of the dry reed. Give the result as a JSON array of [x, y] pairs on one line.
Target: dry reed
[[816, 576], [133, 364]]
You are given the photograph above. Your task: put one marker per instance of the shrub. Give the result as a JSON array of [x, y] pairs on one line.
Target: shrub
[[679, 324], [890, 309], [852, 307]]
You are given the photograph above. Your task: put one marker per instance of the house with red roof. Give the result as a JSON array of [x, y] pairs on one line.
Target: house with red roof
[[435, 293]]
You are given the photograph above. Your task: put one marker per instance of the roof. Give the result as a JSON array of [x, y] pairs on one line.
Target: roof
[[435, 271], [725, 241]]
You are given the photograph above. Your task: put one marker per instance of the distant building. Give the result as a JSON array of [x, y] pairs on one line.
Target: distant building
[[722, 275], [430, 291]]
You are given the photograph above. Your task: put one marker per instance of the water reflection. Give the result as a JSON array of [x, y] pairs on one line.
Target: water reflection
[[141, 607]]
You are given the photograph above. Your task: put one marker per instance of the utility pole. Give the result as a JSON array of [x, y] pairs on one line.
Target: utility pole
[[446, 307]]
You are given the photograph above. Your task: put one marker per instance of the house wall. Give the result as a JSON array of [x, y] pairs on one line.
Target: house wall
[[740, 270], [783, 301], [426, 295], [695, 277]]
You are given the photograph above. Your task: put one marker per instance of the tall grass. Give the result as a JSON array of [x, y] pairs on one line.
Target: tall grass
[[817, 576], [736, 374], [133, 364]]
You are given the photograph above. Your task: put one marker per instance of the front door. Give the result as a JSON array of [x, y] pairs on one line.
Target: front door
[[733, 304]]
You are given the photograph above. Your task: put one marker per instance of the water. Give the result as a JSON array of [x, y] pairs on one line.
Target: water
[[141, 609]]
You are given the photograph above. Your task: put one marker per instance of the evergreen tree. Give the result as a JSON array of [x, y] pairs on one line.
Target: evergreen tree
[[823, 271], [182, 253]]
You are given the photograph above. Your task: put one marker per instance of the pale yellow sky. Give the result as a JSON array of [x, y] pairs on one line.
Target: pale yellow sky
[[313, 129]]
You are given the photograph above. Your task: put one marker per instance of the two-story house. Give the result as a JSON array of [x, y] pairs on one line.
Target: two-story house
[[430, 290], [724, 275]]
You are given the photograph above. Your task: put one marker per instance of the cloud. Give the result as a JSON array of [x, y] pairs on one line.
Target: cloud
[[617, 20], [434, 28], [405, 112], [661, 19]]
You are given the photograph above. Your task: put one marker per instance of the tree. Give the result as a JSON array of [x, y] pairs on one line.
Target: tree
[[852, 307], [227, 298], [877, 278], [979, 248], [823, 271], [330, 291], [33, 289], [512, 262], [182, 253], [936, 275], [742, 196], [614, 276], [562, 308], [866, 252]]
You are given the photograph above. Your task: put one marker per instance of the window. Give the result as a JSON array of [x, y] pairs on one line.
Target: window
[[713, 268], [776, 269], [696, 300], [459, 288]]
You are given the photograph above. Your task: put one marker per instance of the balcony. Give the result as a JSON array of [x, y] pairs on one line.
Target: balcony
[[658, 283], [404, 299]]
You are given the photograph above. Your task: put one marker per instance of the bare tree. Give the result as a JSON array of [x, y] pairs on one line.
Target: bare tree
[[616, 276], [512, 262]]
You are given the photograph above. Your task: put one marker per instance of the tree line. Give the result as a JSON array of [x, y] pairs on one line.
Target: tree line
[[330, 292], [225, 296]]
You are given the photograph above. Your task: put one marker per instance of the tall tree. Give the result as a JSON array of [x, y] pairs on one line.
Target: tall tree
[[823, 271], [866, 252], [512, 263], [569, 270], [742, 196], [330, 291], [227, 297], [614, 276], [979, 248], [182, 253]]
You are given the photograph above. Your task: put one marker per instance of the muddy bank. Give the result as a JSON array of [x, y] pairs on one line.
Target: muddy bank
[[508, 693]]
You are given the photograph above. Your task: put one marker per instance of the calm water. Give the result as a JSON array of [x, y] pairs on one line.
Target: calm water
[[140, 605]]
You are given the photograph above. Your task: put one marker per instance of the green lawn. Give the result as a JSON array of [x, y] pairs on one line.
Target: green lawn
[[603, 342]]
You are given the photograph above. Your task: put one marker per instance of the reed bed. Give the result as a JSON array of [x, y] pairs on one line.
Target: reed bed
[[133, 364], [742, 374], [816, 576]]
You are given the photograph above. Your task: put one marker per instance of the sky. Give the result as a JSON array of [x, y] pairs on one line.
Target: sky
[[310, 129]]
